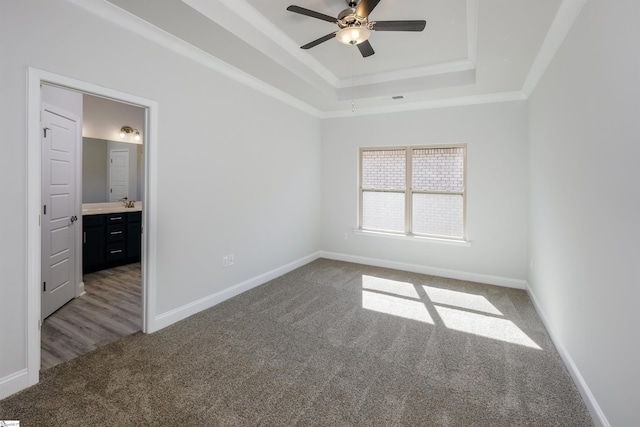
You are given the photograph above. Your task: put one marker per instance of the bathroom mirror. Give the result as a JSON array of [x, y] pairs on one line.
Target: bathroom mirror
[[98, 170]]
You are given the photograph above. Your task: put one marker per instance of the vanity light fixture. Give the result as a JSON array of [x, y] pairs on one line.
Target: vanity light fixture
[[125, 131]]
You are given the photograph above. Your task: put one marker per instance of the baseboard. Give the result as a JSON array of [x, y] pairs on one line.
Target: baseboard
[[14, 383], [165, 319], [80, 291], [599, 419], [506, 282]]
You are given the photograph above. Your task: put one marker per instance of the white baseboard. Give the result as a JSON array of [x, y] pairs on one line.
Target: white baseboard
[[80, 291], [599, 419], [165, 319], [14, 383], [506, 282]]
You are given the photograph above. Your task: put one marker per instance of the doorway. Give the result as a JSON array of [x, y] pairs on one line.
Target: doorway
[[36, 78], [106, 304]]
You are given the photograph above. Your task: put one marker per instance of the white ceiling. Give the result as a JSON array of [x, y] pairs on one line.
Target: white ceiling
[[470, 48]]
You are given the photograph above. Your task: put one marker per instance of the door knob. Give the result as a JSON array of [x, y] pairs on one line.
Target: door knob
[[74, 219]]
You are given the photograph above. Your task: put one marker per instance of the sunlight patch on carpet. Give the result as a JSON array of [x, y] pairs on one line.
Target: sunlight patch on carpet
[[396, 306], [395, 287], [485, 326], [461, 299]]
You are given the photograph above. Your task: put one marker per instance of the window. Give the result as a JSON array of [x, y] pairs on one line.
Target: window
[[413, 190]]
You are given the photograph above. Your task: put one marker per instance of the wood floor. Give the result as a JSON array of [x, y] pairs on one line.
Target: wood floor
[[110, 309]]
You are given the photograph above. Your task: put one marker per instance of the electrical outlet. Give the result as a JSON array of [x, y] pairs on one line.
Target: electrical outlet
[[231, 259], [345, 236], [225, 261]]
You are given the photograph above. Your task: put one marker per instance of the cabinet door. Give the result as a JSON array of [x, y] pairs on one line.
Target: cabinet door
[[134, 237], [93, 249]]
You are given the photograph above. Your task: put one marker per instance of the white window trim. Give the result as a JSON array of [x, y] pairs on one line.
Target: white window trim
[[408, 191], [411, 238]]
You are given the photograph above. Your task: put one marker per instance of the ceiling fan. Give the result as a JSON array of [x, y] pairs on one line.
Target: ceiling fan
[[354, 24]]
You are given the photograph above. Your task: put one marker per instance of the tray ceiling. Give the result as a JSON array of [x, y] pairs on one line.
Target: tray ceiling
[[468, 48]]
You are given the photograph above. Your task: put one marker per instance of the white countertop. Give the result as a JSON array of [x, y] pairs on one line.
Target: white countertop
[[107, 208]]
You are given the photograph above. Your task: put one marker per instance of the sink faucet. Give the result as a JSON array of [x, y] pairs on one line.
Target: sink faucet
[[128, 203]]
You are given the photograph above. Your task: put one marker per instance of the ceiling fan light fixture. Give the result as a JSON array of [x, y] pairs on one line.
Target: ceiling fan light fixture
[[353, 35]]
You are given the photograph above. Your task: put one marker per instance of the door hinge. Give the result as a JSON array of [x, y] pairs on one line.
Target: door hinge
[[44, 286], [111, 190], [45, 131], [44, 210], [39, 324]]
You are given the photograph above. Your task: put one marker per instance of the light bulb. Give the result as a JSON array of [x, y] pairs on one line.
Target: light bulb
[[137, 137], [122, 134], [353, 35]]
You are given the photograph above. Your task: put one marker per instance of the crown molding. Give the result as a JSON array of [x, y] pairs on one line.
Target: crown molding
[[565, 18], [134, 24], [489, 98], [249, 25], [241, 19], [409, 73], [407, 86]]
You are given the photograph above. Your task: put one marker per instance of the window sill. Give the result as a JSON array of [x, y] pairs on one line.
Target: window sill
[[453, 242]]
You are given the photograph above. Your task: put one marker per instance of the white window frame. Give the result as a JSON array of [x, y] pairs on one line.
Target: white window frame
[[408, 191]]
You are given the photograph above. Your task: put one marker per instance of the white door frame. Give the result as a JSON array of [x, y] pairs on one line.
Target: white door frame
[[35, 78]]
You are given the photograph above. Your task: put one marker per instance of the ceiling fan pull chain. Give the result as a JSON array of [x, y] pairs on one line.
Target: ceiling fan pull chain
[[353, 54]]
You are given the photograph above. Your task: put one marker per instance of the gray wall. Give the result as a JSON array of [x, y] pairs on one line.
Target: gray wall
[[94, 170], [585, 202]]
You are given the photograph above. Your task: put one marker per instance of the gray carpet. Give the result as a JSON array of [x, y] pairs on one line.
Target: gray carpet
[[330, 343]]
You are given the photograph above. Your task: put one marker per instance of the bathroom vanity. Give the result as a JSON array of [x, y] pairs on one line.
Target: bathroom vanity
[[112, 235]]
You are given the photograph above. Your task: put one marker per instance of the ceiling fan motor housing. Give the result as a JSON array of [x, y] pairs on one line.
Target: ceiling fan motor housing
[[348, 18]]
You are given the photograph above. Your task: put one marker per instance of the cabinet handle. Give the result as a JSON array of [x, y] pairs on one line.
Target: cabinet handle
[[84, 237], [116, 251], [115, 218], [116, 232]]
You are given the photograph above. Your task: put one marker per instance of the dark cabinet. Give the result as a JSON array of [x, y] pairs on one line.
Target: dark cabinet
[[111, 240], [134, 236], [94, 244], [116, 237]]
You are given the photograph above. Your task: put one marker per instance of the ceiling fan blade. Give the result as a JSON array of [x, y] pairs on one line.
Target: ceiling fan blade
[[365, 7], [365, 48], [398, 25], [311, 13], [318, 41]]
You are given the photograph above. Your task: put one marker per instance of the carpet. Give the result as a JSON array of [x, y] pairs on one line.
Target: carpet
[[330, 343]]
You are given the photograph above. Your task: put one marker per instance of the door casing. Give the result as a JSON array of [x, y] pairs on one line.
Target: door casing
[[35, 78]]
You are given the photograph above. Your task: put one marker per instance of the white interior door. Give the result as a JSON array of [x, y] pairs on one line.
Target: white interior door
[[58, 213], [118, 174]]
